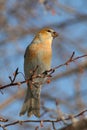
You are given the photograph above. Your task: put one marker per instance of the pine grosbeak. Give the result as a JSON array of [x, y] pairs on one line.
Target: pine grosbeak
[[38, 53]]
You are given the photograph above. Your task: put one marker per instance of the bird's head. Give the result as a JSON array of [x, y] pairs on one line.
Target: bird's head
[[46, 34]]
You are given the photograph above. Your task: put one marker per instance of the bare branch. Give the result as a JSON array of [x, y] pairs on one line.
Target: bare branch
[[47, 73], [52, 121], [3, 119]]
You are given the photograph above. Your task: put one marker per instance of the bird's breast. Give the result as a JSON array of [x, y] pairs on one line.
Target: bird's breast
[[41, 52]]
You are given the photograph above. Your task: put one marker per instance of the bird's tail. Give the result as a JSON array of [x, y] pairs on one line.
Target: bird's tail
[[31, 104]]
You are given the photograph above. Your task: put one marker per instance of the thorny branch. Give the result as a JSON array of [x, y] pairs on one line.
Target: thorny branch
[[47, 73], [42, 121]]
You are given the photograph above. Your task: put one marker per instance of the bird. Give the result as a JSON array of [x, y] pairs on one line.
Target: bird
[[38, 54]]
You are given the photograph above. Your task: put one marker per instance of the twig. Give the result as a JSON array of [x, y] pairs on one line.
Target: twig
[[47, 73], [39, 121], [53, 126], [3, 119], [15, 75]]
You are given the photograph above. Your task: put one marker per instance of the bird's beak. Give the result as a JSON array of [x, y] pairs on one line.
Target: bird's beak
[[55, 34]]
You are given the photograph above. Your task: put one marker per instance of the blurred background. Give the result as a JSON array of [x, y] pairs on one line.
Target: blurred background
[[20, 20]]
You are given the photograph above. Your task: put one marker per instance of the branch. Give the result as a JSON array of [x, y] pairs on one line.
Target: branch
[[70, 117], [3, 119], [79, 125], [79, 68], [47, 73]]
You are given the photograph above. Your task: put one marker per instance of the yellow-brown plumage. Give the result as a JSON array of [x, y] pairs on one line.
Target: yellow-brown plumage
[[38, 53]]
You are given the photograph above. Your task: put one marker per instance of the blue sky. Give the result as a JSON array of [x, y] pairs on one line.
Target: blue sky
[[13, 53]]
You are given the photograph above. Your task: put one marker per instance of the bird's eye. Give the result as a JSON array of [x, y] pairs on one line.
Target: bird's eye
[[48, 30]]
